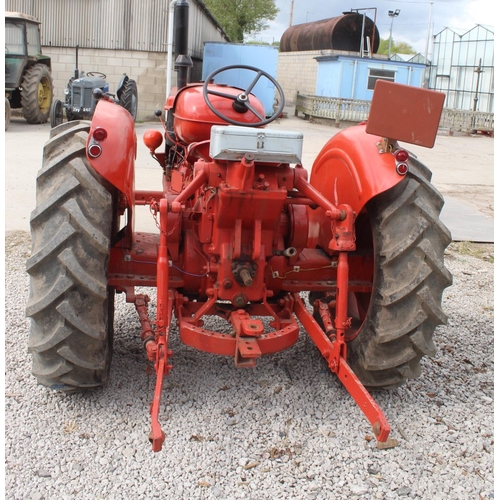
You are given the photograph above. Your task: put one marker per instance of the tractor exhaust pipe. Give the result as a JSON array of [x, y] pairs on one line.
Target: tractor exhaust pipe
[[77, 71], [182, 59]]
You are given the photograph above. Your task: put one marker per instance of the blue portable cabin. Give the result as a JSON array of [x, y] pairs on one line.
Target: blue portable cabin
[[353, 77]]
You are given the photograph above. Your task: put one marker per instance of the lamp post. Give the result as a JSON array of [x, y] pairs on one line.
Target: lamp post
[[478, 70], [392, 15], [428, 34]]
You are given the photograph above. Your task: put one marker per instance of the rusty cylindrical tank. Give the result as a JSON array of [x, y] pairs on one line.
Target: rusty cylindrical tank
[[337, 33]]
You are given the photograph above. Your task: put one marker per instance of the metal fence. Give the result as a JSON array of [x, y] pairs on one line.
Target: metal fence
[[352, 110], [467, 121], [333, 108]]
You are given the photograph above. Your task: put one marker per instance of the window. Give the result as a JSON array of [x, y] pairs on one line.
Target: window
[[33, 39], [14, 38], [379, 74]]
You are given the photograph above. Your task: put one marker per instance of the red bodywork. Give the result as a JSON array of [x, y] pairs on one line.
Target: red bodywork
[[241, 240]]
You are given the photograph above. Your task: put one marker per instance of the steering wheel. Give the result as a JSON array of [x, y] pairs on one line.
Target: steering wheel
[[241, 102], [96, 73]]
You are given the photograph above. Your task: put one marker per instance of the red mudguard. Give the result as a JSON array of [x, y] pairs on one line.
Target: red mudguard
[[119, 148], [350, 170]]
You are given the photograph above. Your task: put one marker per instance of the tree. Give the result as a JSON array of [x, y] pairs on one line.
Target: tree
[[261, 42], [396, 47], [242, 17]]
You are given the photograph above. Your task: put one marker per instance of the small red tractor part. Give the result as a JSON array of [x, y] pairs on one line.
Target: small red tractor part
[[243, 234]]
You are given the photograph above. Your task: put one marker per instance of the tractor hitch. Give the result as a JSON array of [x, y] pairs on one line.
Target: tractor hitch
[[250, 342]]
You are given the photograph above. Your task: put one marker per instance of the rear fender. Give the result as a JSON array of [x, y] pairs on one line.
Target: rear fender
[[351, 170], [119, 148]]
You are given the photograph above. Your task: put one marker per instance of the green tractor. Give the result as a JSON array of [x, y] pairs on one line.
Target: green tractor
[[28, 79]]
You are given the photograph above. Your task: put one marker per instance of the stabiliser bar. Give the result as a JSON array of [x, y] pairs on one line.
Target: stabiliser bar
[[335, 354]]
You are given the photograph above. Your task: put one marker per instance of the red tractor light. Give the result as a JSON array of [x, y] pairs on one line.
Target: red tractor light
[[402, 168], [401, 155], [95, 150], [152, 139], [100, 134]]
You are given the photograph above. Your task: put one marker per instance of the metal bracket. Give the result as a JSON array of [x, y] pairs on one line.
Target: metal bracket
[[247, 330]]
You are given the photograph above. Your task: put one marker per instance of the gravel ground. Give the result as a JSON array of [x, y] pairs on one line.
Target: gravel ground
[[287, 429]]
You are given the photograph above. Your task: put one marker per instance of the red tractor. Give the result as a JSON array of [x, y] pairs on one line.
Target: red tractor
[[243, 234]]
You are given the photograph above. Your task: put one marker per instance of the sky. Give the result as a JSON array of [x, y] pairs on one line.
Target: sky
[[411, 26]]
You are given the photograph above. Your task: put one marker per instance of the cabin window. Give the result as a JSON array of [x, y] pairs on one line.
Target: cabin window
[[379, 74]]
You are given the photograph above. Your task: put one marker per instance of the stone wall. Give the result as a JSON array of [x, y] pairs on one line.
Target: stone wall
[[297, 72]]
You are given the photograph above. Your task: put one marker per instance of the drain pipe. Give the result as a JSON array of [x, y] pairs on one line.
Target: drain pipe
[[355, 71]]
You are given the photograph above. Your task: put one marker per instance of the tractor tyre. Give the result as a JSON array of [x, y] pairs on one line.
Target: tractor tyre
[[36, 94], [56, 113], [70, 303], [7, 113], [128, 98], [408, 242]]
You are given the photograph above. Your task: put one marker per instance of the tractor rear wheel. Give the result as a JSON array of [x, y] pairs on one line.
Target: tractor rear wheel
[[128, 98], [396, 326], [70, 304], [36, 94]]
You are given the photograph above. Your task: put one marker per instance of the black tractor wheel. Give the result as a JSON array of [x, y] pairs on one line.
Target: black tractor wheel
[[396, 322], [70, 304], [56, 113], [36, 94], [128, 98], [7, 113]]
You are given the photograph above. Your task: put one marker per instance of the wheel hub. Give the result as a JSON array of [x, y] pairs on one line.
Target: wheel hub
[[43, 95]]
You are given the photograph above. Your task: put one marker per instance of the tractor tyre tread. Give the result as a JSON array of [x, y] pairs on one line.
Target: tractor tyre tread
[[32, 112], [128, 98], [70, 304], [409, 279]]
